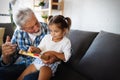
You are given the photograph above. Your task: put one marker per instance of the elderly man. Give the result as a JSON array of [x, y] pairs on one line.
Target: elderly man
[[30, 34]]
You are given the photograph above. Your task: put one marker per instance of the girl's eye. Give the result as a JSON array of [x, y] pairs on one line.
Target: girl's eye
[[56, 31]]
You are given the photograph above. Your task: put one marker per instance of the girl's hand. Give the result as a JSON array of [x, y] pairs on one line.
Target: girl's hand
[[33, 49], [50, 58]]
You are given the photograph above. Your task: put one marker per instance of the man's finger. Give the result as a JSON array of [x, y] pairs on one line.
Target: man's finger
[[8, 39]]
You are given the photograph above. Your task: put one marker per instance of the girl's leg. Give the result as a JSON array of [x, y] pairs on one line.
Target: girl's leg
[[45, 73], [27, 71]]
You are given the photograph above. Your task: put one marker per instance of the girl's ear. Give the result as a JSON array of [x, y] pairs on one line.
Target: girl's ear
[[65, 31]]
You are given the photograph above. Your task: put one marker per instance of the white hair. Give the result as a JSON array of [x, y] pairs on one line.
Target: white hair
[[23, 16]]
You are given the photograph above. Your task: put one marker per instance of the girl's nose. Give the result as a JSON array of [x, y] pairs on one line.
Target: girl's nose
[[52, 33]]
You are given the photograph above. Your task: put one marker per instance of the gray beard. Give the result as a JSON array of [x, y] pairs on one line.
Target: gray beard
[[37, 34]]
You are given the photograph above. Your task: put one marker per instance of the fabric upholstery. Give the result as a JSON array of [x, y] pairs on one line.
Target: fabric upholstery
[[102, 60], [80, 41], [67, 73], [8, 30]]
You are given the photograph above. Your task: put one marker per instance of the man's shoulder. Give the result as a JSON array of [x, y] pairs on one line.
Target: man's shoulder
[[19, 32], [43, 24], [44, 27]]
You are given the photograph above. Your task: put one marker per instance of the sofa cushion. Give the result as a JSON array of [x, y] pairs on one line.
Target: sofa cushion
[[67, 73], [102, 60], [80, 41]]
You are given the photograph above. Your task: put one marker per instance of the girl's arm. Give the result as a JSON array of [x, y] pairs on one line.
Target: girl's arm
[[59, 56]]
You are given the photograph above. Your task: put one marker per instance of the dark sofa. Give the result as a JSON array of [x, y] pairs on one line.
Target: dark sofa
[[9, 29], [95, 56]]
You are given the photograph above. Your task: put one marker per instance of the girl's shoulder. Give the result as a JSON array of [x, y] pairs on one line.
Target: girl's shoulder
[[47, 36], [66, 39]]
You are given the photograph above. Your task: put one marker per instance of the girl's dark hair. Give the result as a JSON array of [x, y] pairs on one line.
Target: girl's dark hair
[[61, 21]]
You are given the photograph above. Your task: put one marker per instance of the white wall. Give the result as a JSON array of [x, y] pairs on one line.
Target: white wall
[[4, 9], [94, 15], [20, 4], [91, 15]]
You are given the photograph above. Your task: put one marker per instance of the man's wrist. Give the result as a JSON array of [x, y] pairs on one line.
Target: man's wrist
[[5, 59], [3, 62]]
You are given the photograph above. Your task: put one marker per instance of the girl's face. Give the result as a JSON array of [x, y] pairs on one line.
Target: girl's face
[[56, 33]]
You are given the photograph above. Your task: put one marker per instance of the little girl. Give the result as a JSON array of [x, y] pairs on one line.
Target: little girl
[[56, 46]]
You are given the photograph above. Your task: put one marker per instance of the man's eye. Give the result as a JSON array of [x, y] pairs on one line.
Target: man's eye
[[36, 23]]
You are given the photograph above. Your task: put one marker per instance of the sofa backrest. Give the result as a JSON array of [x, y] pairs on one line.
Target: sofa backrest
[[80, 41], [102, 59], [8, 30]]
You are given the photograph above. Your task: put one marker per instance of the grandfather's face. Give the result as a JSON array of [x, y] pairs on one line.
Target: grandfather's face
[[32, 25]]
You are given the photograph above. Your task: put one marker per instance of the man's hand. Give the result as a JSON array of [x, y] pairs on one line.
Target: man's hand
[[7, 50]]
